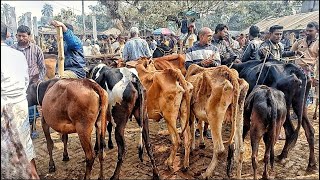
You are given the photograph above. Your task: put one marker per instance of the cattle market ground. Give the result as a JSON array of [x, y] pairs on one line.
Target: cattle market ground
[[293, 167]]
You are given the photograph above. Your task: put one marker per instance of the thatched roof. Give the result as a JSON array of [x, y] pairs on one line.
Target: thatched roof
[[292, 22]]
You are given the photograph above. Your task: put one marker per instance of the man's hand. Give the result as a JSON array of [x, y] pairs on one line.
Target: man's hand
[[237, 61], [206, 62], [59, 24], [299, 53]]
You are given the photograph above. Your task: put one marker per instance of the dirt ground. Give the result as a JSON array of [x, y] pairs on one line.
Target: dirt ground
[[293, 167]]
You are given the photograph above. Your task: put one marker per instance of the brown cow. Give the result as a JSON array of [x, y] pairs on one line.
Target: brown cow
[[50, 61], [216, 96], [171, 61], [72, 106], [168, 97], [265, 112]]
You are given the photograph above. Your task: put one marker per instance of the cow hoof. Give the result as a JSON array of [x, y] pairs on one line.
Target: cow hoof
[[280, 158], [184, 169], [113, 178], [202, 146], [314, 118], [52, 169], [311, 168], [65, 158]]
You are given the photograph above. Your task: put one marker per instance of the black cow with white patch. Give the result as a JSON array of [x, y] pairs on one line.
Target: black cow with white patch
[[127, 97]]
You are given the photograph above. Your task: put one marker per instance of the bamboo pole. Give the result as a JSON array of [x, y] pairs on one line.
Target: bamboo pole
[[60, 51]]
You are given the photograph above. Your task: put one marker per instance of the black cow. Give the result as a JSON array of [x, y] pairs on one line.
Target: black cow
[[126, 98], [264, 114], [275, 74]]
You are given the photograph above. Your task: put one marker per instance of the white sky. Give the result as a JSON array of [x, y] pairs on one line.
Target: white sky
[[35, 7]]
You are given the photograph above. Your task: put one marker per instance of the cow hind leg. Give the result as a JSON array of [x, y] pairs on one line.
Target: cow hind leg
[[309, 133], [256, 134], [268, 139], [289, 130], [119, 135], [65, 147], [46, 130], [175, 143], [85, 140], [147, 143], [109, 128]]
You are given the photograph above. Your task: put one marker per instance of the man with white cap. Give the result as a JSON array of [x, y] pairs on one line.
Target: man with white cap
[[135, 47]]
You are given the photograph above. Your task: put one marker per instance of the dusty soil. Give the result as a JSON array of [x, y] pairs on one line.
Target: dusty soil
[[293, 168]]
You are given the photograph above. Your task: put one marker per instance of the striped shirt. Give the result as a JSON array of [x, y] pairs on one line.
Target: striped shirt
[[35, 60], [197, 53]]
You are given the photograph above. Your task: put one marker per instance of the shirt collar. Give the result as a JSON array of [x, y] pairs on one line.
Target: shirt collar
[[3, 44]]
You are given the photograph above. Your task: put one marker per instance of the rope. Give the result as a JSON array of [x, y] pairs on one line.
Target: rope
[[38, 92], [264, 61]]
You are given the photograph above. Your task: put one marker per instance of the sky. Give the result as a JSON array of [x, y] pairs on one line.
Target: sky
[[35, 7]]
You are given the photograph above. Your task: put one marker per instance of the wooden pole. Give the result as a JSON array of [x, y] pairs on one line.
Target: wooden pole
[[60, 51]]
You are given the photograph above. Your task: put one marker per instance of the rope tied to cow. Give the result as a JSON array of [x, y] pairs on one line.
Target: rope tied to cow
[[38, 92]]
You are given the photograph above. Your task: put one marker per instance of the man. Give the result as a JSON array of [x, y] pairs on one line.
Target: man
[[32, 52], [302, 34], [251, 50], [9, 41], [242, 40], [74, 61], [35, 61], [14, 83], [204, 54], [163, 49], [286, 42], [272, 48], [226, 53], [309, 46], [136, 47]]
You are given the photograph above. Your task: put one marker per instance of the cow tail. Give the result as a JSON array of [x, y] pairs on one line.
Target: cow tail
[[273, 110], [142, 113], [101, 119], [186, 96], [234, 107]]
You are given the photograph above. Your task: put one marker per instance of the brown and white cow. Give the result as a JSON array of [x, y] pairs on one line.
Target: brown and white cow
[[168, 97], [215, 98], [72, 106]]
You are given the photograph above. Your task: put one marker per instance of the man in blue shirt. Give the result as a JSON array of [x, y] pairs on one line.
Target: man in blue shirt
[[74, 61]]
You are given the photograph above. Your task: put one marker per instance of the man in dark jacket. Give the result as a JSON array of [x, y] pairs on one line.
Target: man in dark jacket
[[250, 51], [272, 48], [74, 61]]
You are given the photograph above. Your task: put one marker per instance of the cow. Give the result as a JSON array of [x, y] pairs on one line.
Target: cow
[[215, 98], [168, 97], [274, 74], [72, 106], [126, 98], [171, 61], [265, 113]]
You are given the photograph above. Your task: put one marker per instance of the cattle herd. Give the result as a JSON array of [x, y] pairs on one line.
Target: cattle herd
[[250, 96]]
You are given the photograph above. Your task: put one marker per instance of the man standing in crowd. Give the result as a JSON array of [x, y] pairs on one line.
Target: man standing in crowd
[[242, 40], [309, 46], [226, 53], [204, 54], [286, 41], [272, 48], [251, 50], [32, 52], [36, 67], [135, 47], [74, 61], [14, 84]]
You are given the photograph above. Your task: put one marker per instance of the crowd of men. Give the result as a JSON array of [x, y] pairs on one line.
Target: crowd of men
[[22, 63]]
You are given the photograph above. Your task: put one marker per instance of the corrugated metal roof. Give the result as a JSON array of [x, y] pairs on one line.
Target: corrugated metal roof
[[292, 22]]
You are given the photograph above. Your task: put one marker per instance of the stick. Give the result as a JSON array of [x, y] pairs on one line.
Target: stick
[[60, 51]]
